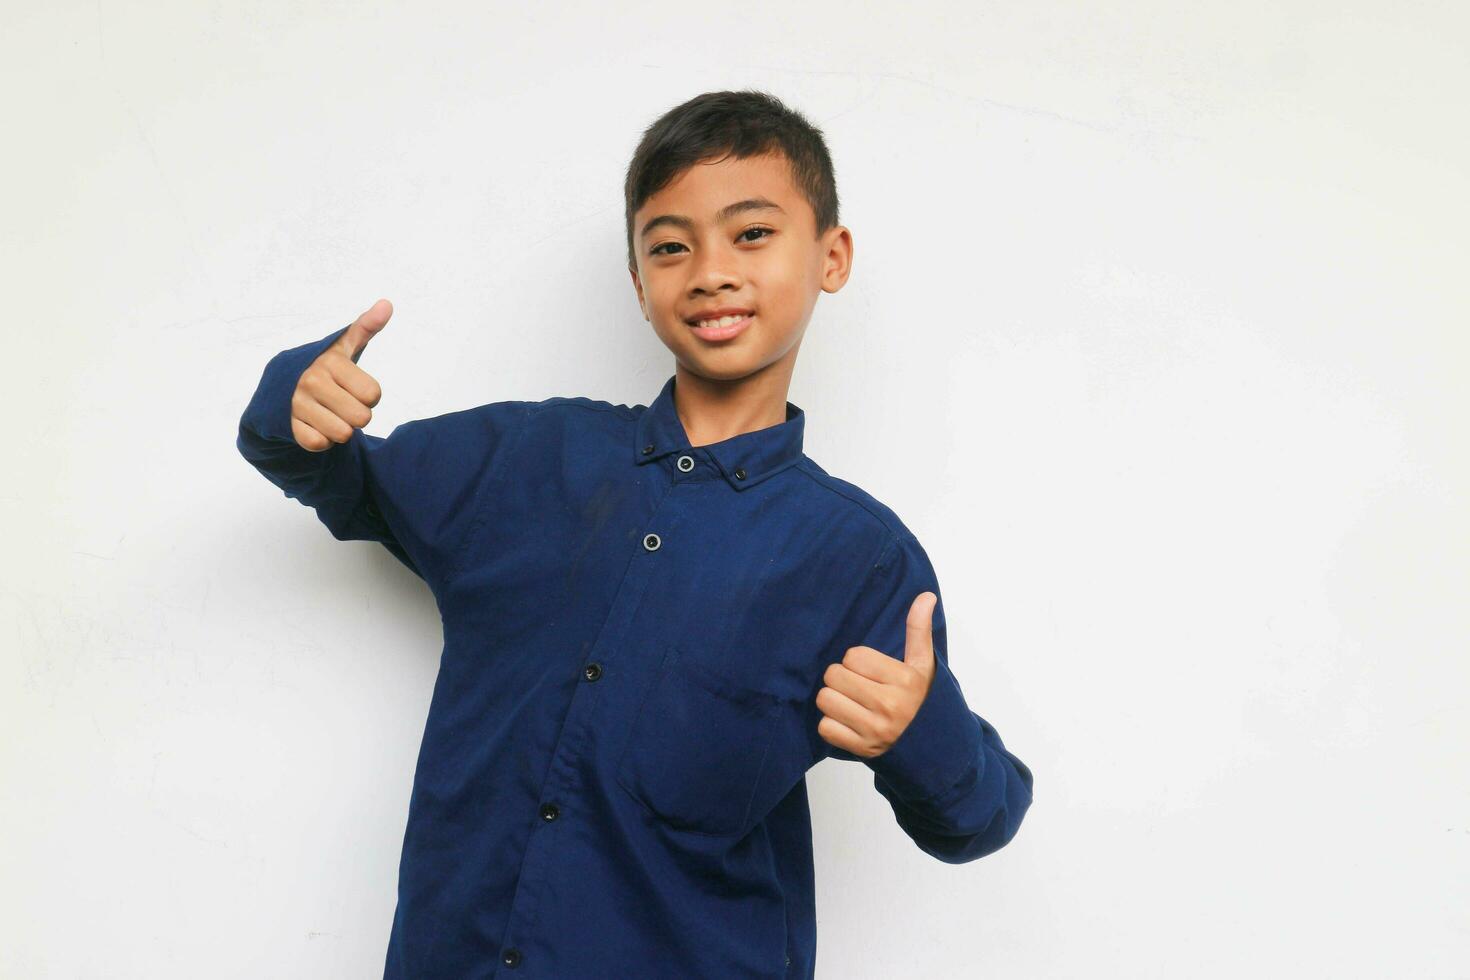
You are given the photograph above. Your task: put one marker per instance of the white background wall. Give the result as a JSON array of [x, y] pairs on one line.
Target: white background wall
[[1155, 337]]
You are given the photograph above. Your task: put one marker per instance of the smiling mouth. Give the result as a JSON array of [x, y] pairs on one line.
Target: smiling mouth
[[722, 329], [725, 320]]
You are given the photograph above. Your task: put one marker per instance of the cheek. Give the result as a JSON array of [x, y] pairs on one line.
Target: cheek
[[786, 299], [660, 308], [789, 284]]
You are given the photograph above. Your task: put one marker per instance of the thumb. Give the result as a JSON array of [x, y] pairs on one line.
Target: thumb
[[918, 646], [365, 328]]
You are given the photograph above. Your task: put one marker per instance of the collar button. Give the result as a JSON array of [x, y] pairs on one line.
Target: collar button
[[648, 449], [740, 473]]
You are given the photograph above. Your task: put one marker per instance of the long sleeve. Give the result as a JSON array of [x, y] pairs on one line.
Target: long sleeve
[[954, 788], [414, 491]]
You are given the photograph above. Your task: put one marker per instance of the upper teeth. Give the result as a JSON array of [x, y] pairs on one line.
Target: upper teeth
[[723, 321]]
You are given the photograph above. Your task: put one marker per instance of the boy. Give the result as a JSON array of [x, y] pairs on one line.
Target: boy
[[656, 619]]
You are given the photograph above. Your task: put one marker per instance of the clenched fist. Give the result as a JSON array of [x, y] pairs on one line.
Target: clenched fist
[[334, 395]]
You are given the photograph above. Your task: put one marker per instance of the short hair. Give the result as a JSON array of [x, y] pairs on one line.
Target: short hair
[[742, 123]]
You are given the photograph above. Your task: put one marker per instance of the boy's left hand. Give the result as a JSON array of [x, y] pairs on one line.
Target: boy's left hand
[[870, 697]]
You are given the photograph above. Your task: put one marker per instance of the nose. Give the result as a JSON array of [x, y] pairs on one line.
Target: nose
[[713, 270]]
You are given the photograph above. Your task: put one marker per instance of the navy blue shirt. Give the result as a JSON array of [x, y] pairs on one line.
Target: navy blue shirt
[[611, 780]]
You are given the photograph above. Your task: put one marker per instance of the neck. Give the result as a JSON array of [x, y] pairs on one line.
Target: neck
[[712, 410]]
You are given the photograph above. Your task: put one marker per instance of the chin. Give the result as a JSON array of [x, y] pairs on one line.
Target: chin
[[720, 369]]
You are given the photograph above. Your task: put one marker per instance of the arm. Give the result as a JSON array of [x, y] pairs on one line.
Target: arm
[[954, 788], [413, 491]]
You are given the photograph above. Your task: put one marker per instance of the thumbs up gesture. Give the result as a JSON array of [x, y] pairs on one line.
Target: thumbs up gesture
[[334, 396], [870, 698]]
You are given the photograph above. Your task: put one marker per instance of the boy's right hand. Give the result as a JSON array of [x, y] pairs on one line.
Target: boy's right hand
[[334, 396]]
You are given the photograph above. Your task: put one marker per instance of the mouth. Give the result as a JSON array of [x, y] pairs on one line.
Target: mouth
[[720, 328]]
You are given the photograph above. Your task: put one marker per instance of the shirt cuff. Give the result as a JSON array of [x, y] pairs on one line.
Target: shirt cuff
[[941, 747]]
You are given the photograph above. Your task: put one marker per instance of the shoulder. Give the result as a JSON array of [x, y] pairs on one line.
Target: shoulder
[[504, 416], [898, 562], [491, 420], [581, 408], [580, 417], [873, 516], [489, 432]]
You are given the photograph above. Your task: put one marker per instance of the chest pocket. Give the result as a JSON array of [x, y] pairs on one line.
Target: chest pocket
[[698, 746]]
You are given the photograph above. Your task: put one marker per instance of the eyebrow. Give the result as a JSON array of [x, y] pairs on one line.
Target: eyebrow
[[724, 214]]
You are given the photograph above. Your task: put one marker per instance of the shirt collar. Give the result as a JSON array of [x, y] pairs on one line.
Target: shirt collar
[[745, 459]]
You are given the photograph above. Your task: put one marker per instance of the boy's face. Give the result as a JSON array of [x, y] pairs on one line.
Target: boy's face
[[764, 259]]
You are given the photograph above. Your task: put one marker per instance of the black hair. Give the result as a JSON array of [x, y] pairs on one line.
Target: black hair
[[744, 124]]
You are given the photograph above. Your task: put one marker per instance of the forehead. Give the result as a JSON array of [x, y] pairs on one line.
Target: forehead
[[705, 187]]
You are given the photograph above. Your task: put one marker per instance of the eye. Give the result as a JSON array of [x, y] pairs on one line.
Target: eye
[[762, 228]]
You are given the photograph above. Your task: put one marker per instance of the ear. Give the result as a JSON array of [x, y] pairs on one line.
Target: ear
[[836, 258], [638, 288]]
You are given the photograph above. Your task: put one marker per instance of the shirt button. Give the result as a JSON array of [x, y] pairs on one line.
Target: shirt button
[[371, 509], [550, 811], [651, 542], [686, 463], [511, 957], [592, 671], [740, 473], [648, 449]]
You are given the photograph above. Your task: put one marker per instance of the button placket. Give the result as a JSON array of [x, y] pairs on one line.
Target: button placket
[[611, 651]]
